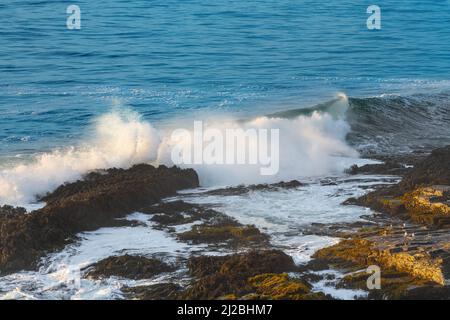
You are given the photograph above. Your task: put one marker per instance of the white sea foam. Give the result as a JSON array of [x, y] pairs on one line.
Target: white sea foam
[[309, 146], [62, 276], [328, 286], [282, 214], [121, 139]]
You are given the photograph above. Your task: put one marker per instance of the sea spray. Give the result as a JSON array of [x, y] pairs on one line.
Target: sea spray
[[309, 145], [120, 140]]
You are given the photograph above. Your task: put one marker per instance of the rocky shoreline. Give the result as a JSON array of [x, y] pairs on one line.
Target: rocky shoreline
[[407, 239], [94, 202], [411, 245]]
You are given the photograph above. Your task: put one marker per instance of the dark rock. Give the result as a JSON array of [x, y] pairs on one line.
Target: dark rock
[[170, 220], [287, 185], [127, 266], [171, 207], [221, 276], [243, 189], [178, 212], [428, 292], [216, 228], [227, 231], [433, 170], [83, 206], [9, 211], [120, 223], [389, 168], [160, 291], [203, 266]]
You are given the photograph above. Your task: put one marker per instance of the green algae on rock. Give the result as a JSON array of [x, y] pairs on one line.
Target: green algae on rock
[[422, 209], [361, 253], [422, 194], [273, 286], [220, 276]]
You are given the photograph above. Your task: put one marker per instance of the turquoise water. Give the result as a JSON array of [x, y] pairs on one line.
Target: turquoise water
[[168, 59]]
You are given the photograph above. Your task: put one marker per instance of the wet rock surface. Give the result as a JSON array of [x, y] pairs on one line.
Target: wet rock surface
[[410, 243], [420, 196], [243, 189], [230, 232], [362, 253], [211, 276], [408, 239], [160, 291], [255, 274], [82, 206], [178, 212], [388, 168], [128, 266], [433, 170], [252, 275], [410, 258], [392, 164], [212, 226], [10, 212], [282, 286]]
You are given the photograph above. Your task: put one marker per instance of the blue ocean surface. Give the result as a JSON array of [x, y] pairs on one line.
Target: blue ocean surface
[[110, 95], [166, 59]]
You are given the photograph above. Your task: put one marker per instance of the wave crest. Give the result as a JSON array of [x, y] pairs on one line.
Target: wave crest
[[121, 139], [309, 145]]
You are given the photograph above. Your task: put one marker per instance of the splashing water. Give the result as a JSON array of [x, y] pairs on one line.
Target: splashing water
[[309, 145]]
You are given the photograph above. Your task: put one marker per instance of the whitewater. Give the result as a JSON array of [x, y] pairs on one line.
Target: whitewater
[[110, 95], [318, 144], [311, 145], [313, 149]]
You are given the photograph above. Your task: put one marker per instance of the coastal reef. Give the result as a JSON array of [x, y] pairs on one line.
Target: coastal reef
[[128, 266], [94, 202], [422, 196], [410, 243], [259, 274]]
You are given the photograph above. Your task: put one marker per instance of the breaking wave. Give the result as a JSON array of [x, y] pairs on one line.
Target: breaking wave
[[120, 140], [394, 124], [310, 145], [313, 142]]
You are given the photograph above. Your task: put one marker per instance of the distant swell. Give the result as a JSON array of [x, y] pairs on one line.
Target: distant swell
[[394, 124], [390, 124]]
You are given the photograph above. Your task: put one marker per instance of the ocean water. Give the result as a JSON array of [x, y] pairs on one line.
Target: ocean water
[[109, 95], [76, 100], [166, 59]]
